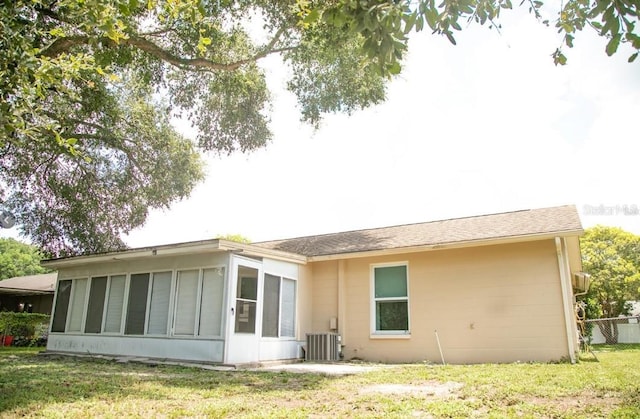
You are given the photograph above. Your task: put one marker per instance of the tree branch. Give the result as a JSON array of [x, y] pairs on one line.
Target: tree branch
[[62, 45]]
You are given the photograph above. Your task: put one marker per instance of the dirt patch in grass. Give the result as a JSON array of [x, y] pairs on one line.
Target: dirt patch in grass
[[585, 402], [430, 389]]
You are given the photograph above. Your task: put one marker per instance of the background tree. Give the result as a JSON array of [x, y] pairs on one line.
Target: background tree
[[612, 257], [238, 238], [19, 259], [86, 144]]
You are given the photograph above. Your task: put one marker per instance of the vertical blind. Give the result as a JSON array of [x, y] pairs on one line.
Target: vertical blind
[[159, 305], [77, 305], [186, 302], [115, 303], [288, 311], [211, 302]]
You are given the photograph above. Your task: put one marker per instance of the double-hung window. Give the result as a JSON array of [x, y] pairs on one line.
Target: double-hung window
[[390, 303]]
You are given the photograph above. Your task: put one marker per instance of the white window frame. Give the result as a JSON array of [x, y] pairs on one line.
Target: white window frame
[[72, 296], [147, 314], [198, 302], [295, 308], [223, 300], [106, 304], [388, 334]]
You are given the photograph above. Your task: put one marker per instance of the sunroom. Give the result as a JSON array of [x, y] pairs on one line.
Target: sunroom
[[210, 301]]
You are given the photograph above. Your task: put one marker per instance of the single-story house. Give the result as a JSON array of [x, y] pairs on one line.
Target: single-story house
[[490, 288], [30, 293]]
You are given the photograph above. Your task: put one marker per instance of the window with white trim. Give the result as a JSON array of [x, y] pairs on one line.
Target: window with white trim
[[95, 306], [279, 307], [159, 303], [76, 306], [390, 305], [115, 304], [199, 300], [246, 300], [137, 304], [61, 308], [143, 303], [211, 302]]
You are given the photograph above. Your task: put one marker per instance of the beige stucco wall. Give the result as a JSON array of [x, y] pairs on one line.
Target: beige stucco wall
[[305, 301], [498, 303], [325, 295]]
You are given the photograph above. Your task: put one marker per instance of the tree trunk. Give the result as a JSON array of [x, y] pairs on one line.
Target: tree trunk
[[609, 329]]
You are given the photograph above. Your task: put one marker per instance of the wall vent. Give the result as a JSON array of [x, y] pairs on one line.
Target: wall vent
[[323, 347]]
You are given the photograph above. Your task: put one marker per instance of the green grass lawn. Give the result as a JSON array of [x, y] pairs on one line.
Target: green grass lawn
[[32, 385]]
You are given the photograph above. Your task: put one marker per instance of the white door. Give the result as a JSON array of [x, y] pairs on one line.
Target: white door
[[245, 304]]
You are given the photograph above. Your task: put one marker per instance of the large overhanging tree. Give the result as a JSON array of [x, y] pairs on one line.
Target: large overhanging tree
[[88, 88]]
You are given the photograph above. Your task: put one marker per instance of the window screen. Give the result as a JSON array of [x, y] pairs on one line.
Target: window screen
[[211, 302], [159, 305], [186, 302], [77, 305], [271, 306], [62, 306], [115, 303], [137, 304], [246, 301], [93, 324]]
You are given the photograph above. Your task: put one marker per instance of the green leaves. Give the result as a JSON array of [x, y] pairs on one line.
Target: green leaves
[[610, 256], [614, 20], [19, 259], [612, 45]]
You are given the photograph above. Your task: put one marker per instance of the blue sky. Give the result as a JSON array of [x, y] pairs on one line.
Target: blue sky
[[486, 126]]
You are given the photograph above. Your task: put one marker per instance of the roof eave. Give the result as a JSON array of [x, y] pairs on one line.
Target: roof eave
[[207, 246], [447, 245]]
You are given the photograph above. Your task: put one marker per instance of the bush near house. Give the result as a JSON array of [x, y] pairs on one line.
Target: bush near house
[[26, 329]]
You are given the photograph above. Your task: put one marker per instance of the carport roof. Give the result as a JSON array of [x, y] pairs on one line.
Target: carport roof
[[30, 284]]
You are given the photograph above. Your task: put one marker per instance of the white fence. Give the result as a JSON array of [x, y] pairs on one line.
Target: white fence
[[628, 329]]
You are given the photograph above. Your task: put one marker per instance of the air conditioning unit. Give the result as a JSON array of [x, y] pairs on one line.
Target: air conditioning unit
[[323, 347]]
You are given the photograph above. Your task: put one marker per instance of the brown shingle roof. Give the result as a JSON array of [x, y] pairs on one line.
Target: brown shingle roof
[[556, 220], [43, 283]]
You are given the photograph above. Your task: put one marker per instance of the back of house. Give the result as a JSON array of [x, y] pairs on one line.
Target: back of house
[[491, 288]]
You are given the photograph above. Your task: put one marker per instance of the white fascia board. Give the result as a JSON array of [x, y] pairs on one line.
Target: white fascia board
[[188, 248]]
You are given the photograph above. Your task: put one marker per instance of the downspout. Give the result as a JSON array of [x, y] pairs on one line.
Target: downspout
[[561, 251]]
